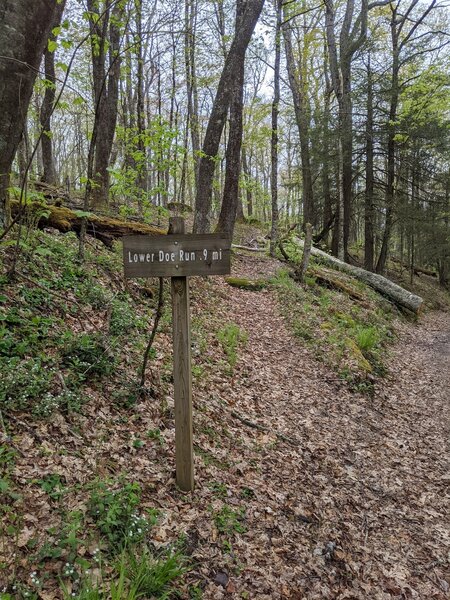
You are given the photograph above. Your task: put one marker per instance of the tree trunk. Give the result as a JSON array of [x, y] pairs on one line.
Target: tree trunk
[[326, 186], [216, 123], [369, 200], [190, 19], [24, 32], [384, 286], [351, 37], [301, 110], [248, 183], [49, 174], [391, 145], [141, 178], [230, 198], [274, 135], [105, 46]]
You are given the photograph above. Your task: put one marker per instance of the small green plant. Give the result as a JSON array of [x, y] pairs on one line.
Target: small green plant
[[138, 444], [67, 540], [123, 318], [136, 574], [229, 521], [127, 394], [367, 339], [155, 434], [230, 336], [150, 576], [115, 512], [52, 485], [88, 355], [247, 492]]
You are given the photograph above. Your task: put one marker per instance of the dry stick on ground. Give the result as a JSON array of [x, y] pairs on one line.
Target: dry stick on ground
[[249, 248], [154, 329], [60, 296], [254, 425]]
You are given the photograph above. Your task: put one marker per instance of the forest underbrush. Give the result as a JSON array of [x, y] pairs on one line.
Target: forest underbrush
[[89, 505]]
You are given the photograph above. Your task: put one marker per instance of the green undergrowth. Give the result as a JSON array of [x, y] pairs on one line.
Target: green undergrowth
[[104, 552], [350, 336], [67, 327], [72, 337]]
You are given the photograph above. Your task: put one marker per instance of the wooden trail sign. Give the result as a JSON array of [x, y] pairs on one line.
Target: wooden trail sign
[[178, 256]]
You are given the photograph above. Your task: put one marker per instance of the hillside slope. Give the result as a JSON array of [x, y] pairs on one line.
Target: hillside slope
[[321, 450]]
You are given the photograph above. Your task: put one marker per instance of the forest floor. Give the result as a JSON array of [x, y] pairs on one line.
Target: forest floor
[[306, 487]]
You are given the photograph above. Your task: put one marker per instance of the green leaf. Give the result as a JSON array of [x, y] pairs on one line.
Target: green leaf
[[63, 66], [52, 45]]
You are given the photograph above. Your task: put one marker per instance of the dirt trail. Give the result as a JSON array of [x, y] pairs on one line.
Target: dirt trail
[[360, 507]]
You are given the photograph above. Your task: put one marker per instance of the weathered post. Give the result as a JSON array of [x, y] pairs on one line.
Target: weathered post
[[182, 376], [179, 256]]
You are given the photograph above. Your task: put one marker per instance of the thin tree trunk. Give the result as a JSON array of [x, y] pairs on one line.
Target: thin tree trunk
[[274, 135], [105, 41], [369, 200], [49, 174], [301, 110]]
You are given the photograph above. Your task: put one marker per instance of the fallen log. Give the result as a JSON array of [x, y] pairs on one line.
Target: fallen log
[[64, 219], [381, 284], [417, 270], [327, 280]]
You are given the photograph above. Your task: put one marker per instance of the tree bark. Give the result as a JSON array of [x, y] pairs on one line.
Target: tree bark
[[274, 135], [105, 50], [24, 32], [230, 198], [369, 200], [49, 174], [351, 37], [302, 118], [216, 123], [384, 286], [190, 21], [248, 183]]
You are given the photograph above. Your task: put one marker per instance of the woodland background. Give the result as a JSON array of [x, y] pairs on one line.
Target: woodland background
[[338, 115]]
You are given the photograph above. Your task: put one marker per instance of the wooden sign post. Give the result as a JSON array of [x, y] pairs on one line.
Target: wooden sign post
[[178, 256]]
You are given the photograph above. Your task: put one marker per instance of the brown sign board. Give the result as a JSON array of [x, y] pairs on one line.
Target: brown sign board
[[176, 255]]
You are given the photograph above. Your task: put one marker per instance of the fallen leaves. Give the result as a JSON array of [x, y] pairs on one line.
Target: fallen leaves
[[355, 508]]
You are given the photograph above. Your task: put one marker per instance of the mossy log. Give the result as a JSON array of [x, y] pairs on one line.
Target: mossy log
[[333, 283], [246, 284], [382, 285], [64, 219]]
